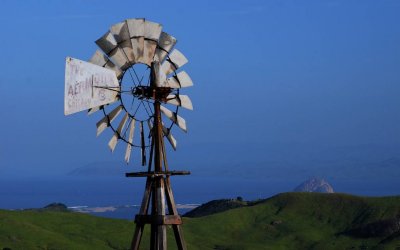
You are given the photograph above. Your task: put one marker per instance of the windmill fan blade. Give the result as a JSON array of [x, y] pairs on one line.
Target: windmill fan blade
[[174, 118], [181, 80], [120, 32], [158, 76], [93, 110], [109, 45], [81, 80], [165, 44], [136, 33], [130, 140], [175, 61], [102, 60], [152, 32], [106, 120], [114, 139], [170, 138], [143, 149], [180, 100]]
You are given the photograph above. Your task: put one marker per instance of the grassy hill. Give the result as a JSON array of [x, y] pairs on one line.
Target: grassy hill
[[285, 221]]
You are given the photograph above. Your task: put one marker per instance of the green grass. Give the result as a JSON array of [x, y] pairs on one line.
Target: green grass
[[285, 221]]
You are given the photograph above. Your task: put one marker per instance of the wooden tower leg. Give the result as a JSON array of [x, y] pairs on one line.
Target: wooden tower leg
[[173, 211], [158, 190], [137, 236]]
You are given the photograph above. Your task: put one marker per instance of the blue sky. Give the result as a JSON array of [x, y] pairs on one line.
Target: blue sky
[[270, 76]]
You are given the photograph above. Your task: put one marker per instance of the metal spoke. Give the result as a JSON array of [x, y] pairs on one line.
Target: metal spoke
[[111, 89], [130, 64], [137, 108], [133, 101], [145, 108]]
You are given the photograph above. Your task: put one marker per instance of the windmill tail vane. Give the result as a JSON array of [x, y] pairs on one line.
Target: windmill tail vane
[[111, 81]]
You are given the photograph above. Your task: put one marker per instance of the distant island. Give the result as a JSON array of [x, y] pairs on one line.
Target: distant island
[[315, 185]]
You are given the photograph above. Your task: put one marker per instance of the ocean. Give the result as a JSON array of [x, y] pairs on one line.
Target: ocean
[[120, 197]]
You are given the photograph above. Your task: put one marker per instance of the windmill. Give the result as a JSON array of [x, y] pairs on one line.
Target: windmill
[[134, 104]]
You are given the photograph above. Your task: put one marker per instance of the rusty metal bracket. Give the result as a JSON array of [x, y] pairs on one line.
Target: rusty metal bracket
[[158, 219], [156, 174]]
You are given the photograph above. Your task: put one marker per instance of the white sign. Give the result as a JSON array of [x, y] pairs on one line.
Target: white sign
[[87, 86]]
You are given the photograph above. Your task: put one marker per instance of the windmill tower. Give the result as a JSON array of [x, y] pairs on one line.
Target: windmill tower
[[110, 82]]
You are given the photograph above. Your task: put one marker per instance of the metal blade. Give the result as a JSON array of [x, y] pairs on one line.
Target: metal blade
[[181, 80], [174, 61], [121, 34], [102, 60], [143, 146], [158, 76], [135, 27], [114, 139], [149, 51], [152, 33], [106, 120], [180, 100], [109, 45], [174, 118], [81, 79], [95, 109], [170, 138], [136, 33], [165, 44], [152, 30], [130, 140]]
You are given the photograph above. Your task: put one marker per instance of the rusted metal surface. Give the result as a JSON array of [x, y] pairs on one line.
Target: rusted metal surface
[[158, 219], [82, 86], [156, 174]]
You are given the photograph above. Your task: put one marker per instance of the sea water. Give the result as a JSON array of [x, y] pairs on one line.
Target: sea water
[[126, 193]]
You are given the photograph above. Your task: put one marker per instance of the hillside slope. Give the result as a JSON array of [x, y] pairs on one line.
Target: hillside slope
[[285, 221]]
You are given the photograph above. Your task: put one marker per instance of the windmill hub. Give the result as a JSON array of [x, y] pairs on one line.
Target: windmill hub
[[148, 92]]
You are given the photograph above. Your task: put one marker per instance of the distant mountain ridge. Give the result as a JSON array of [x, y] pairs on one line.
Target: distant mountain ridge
[[106, 168]]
